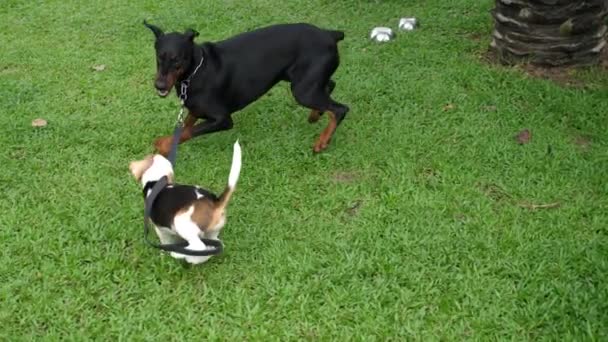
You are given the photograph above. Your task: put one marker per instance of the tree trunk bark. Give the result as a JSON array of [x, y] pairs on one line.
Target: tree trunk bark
[[549, 32]]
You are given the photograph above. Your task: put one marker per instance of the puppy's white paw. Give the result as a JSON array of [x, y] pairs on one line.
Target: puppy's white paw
[[177, 255], [197, 259]]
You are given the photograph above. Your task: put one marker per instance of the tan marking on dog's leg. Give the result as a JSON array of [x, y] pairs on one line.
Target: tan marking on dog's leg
[[163, 144], [327, 133], [314, 116], [187, 131]]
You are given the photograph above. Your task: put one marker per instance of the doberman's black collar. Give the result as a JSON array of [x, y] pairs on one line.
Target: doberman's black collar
[[183, 93]]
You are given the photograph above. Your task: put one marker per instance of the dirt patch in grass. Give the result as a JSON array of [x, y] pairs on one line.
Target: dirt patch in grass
[[523, 137], [494, 192], [497, 194], [429, 177], [345, 177], [583, 142], [478, 36], [565, 76], [354, 207]]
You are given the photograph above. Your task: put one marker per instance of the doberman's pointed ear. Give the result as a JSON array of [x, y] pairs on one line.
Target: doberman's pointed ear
[[190, 33], [157, 31]]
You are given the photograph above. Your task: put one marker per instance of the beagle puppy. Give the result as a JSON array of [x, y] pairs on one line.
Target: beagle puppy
[[184, 211]]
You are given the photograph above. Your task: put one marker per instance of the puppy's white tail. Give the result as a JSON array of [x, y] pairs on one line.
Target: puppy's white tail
[[233, 177], [235, 169]]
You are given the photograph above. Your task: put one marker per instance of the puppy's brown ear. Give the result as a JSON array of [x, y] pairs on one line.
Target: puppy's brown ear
[[140, 166]]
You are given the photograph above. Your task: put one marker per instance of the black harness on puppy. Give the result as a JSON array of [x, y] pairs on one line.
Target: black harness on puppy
[[157, 188]]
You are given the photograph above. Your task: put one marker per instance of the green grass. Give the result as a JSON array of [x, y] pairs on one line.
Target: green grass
[[409, 227]]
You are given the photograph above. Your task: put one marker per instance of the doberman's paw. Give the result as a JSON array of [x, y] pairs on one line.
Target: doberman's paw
[[163, 146], [320, 145]]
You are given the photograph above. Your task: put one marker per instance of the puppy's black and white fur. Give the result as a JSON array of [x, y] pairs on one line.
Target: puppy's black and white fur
[[184, 211]]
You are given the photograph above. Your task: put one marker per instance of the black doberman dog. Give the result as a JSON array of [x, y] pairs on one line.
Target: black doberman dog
[[226, 76]]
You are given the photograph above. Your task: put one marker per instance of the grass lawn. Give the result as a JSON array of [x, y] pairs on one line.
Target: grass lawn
[[417, 223]]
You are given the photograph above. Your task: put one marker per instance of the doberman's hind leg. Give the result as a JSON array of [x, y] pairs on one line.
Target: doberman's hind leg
[[315, 97], [315, 115], [336, 113]]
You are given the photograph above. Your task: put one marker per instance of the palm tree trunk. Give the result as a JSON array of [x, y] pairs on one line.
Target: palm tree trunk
[[549, 32]]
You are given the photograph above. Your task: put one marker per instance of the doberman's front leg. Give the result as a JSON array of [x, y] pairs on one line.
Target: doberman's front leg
[[163, 145], [212, 125]]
